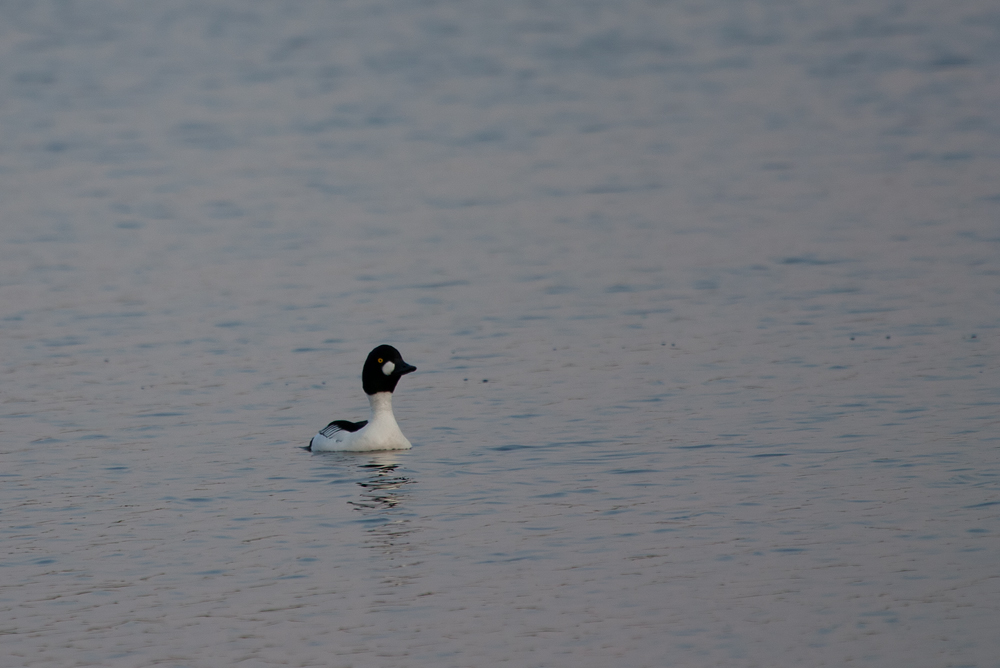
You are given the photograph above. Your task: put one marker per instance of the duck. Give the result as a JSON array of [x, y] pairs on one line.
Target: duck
[[383, 369]]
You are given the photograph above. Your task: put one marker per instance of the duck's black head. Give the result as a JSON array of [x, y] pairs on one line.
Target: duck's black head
[[383, 369]]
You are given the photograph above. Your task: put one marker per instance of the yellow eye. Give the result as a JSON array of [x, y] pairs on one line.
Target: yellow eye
[[379, 360]]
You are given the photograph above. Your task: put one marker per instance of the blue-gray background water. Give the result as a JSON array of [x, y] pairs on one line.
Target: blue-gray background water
[[704, 297]]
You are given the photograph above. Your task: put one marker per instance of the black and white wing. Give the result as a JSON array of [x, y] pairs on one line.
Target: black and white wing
[[330, 432], [341, 425]]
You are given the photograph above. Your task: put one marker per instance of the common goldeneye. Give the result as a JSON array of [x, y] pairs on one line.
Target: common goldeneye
[[383, 369]]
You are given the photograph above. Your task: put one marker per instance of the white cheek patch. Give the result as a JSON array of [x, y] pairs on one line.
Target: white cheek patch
[[388, 368]]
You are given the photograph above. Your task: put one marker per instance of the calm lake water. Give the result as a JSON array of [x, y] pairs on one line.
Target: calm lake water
[[704, 298]]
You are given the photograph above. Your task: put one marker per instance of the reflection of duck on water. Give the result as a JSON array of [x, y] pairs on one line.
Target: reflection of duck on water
[[383, 485], [381, 503]]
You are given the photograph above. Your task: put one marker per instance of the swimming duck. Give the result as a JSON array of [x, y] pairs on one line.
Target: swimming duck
[[383, 369]]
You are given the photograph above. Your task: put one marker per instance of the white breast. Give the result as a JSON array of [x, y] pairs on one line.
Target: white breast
[[381, 432]]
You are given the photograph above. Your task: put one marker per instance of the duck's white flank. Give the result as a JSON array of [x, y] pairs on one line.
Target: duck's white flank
[[381, 432]]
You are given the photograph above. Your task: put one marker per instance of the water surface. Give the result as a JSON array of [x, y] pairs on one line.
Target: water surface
[[703, 298]]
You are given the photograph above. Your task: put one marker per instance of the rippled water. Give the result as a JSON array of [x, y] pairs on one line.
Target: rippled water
[[703, 298]]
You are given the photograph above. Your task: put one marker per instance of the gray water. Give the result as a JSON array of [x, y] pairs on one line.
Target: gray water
[[704, 299]]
